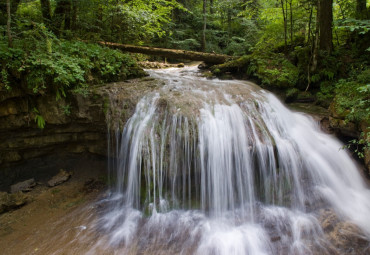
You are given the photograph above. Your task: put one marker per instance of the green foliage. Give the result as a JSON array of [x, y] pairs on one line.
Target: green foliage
[[4, 82], [66, 109], [273, 69], [352, 97], [187, 44], [48, 64], [359, 145], [39, 119], [354, 25], [326, 93]]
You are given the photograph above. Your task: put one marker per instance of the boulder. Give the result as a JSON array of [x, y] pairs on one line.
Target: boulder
[[58, 179], [11, 201], [345, 236], [24, 186]]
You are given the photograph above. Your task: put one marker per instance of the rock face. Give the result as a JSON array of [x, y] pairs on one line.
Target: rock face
[[348, 129], [74, 125]]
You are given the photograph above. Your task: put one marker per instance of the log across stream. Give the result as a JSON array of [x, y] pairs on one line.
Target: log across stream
[[210, 58]]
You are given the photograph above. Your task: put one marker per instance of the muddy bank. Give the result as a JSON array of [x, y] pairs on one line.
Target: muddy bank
[[52, 214]]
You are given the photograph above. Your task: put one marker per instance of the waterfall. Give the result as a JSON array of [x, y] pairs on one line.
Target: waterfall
[[223, 167]]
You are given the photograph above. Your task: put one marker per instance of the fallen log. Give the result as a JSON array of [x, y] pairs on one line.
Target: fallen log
[[210, 58]]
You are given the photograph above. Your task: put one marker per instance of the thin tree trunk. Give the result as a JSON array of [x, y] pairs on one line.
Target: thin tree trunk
[[286, 18], [8, 24], [315, 52], [291, 22], [309, 26], [204, 25], [229, 23], [311, 52], [211, 7], [285, 25]]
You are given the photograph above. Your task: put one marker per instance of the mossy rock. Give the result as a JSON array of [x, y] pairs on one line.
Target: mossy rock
[[233, 66], [11, 201]]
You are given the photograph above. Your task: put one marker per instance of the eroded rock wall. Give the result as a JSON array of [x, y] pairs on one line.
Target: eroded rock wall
[[75, 125]]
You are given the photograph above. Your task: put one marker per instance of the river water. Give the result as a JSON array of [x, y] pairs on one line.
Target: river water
[[219, 167]]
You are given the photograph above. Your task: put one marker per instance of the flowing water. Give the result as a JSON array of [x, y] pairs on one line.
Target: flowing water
[[216, 167], [223, 167]]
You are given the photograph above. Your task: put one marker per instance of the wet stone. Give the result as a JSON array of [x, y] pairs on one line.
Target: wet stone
[[24, 186], [58, 179]]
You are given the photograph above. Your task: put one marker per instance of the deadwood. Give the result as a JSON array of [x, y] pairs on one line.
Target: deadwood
[[210, 58]]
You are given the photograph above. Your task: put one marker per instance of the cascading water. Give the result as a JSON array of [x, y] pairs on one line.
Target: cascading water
[[222, 167]]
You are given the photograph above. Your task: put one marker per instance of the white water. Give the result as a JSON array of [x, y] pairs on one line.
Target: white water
[[223, 167]]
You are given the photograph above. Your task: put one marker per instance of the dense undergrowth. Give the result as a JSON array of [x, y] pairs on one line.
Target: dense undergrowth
[[40, 63], [345, 85]]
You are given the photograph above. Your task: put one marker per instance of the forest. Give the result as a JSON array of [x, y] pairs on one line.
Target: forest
[[313, 51], [208, 127]]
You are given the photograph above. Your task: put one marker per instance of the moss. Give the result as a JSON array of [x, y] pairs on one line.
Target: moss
[[106, 105], [233, 66]]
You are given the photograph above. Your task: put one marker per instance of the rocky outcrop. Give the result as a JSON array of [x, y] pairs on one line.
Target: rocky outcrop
[[345, 128], [75, 124], [345, 236], [11, 201], [340, 125]]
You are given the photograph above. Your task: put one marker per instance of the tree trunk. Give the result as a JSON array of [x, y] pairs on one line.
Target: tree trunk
[[74, 15], [291, 22], [210, 58], [67, 15], [229, 22], [361, 11], [309, 26], [60, 15], [3, 10], [326, 23], [8, 23], [46, 11], [204, 25], [315, 51], [285, 24], [211, 7]]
